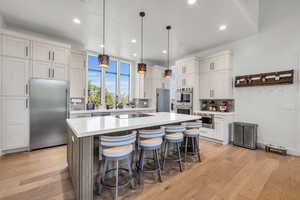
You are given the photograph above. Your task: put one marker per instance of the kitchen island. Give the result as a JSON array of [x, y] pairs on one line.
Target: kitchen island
[[83, 138]]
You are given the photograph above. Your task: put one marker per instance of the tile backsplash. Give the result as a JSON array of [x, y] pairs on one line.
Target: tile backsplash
[[218, 105]]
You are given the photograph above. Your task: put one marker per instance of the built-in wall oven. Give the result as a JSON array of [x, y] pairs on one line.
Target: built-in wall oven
[[184, 104], [184, 110]]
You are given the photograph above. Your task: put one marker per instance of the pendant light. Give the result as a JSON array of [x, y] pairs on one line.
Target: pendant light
[[168, 72], [142, 67], [103, 59]]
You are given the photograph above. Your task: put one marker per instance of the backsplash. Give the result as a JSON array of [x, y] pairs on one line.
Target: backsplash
[[218, 105]]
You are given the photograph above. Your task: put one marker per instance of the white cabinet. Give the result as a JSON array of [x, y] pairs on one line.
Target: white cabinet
[[1, 44], [49, 61], [59, 71], [15, 127], [41, 69], [42, 51], [219, 62], [15, 75], [16, 47], [219, 128], [216, 76], [77, 75]]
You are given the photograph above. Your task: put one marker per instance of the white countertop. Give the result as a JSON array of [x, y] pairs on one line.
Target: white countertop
[[214, 112], [90, 126], [110, 110]]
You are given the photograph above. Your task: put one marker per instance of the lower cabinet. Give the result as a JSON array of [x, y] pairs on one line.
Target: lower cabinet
[[219, 128], [15, 123]]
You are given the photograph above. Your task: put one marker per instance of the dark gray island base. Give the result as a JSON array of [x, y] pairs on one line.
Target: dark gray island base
[[83, 139]]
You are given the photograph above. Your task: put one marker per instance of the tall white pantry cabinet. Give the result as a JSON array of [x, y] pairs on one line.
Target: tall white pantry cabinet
[[23, 57]]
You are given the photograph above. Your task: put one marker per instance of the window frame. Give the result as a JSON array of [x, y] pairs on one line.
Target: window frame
[[118, 74]]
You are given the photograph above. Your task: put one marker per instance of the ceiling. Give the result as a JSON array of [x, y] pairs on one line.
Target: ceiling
[[195, 27]]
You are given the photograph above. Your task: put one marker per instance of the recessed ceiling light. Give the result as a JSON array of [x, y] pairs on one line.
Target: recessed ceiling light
[[164, 52], [76, 21], [134, 55], [191, 2], [102, 46], [133, 41], [222, 27]]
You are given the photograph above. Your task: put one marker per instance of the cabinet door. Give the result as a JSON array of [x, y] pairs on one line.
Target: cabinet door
[[16, 47], [41, 69], [60, 55], [15, 123], [204, 86], [15, 77], [42, 51], [59, 72], [77, 60], [77, 82], [220, 128], [221, 85]]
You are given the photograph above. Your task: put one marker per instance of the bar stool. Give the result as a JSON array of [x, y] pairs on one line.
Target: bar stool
[[114, 149], [192, 133], [173, 135], [150, 140]]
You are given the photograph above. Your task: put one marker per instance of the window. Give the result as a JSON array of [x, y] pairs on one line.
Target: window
[[94, 83], [113, 83], [124, 83]]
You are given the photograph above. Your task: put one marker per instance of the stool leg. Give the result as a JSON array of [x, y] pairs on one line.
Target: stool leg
[[141, 167], [193, 143], [185, 148], [158, 165], [130, 173], [101, 174], [117, 180], [179, 156], [198, 148], [166, 154], [104, 170]]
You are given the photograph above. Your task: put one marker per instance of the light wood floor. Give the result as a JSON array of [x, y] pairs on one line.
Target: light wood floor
[[226, 172]]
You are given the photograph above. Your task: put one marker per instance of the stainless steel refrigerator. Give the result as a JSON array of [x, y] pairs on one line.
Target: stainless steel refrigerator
[[49, 110], [162, 100]]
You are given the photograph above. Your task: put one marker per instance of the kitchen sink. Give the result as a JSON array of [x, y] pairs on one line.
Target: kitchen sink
[[128, 116]]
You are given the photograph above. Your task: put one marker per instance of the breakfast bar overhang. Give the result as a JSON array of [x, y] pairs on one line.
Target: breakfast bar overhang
[[82, 145]]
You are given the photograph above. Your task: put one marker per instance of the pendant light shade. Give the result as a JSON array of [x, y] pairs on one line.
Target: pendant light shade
[[103, 59], [142, 67], [168, 72]]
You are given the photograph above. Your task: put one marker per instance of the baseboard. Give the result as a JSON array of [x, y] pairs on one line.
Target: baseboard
[[292, 152], [15, 150]]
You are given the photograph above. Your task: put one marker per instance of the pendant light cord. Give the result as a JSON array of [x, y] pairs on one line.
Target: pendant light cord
[[103, 27], [168, 48], [142, 40]]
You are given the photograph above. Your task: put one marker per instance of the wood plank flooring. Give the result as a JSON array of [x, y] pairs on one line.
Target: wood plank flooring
[[226, 173]]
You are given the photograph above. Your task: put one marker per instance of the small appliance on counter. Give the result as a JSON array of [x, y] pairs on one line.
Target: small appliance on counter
[[77, 104], [140, 103]]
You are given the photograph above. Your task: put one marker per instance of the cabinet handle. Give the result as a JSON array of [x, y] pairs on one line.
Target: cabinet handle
[[26, 89], [26, 50], [49, 73], [52, 73], [26, 103], [212, 66], [212, 93], [53, 54], [49, 55]]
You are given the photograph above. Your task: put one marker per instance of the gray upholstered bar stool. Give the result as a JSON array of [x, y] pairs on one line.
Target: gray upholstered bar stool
[[192, 133], [173, 135], [114, 149], [150, 140]]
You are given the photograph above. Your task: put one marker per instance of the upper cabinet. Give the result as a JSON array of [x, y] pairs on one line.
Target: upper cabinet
[[15, 75], [77, 71], [16, 47], [49, 53], [216, 76], [219, 62], [50, 61]]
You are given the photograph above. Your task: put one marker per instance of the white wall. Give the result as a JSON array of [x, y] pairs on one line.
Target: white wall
[[276, 47]]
